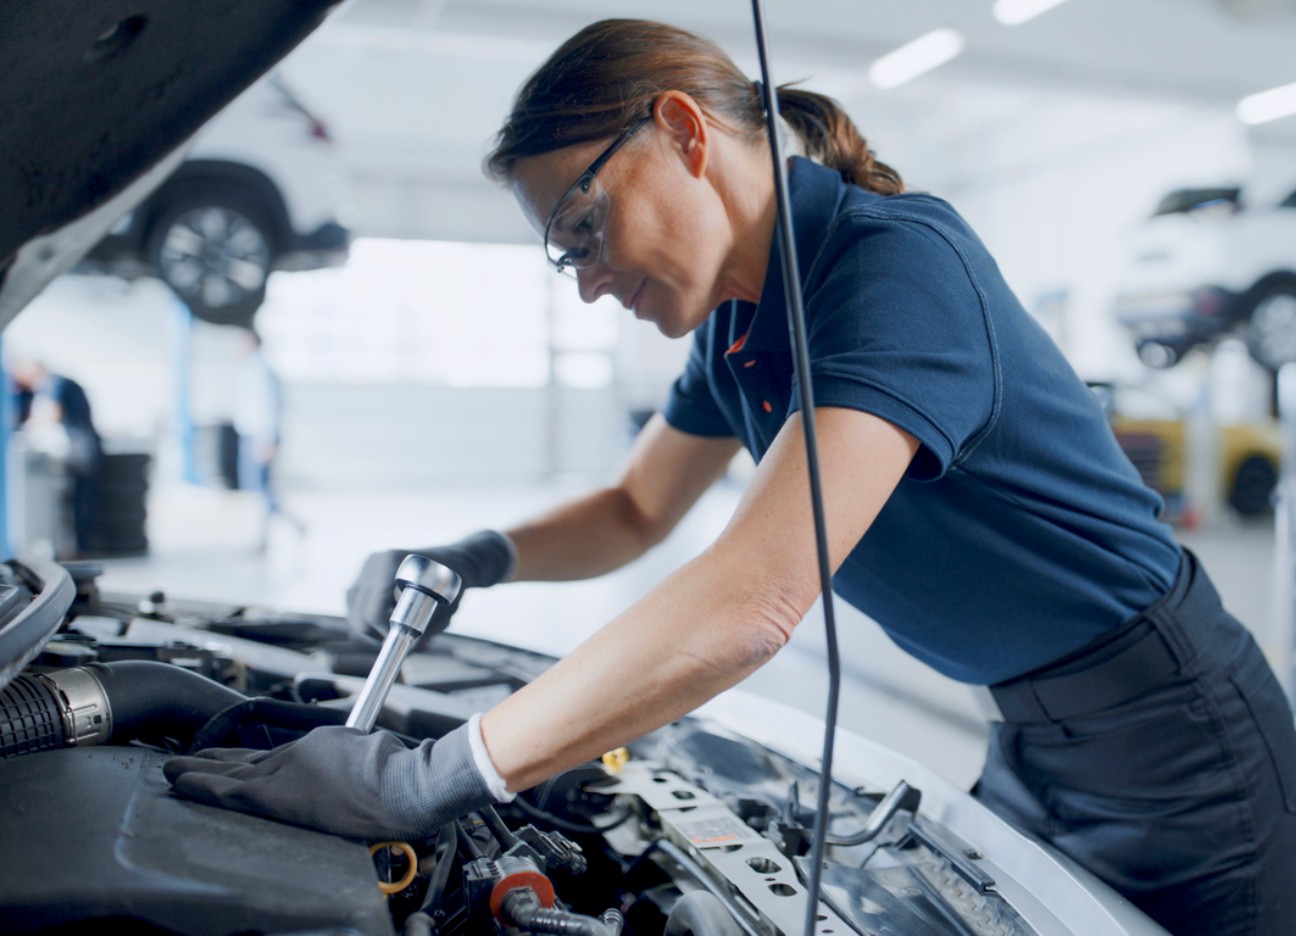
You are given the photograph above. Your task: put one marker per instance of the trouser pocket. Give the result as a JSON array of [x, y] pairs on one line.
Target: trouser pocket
[[1003, 791], [1269, 709]]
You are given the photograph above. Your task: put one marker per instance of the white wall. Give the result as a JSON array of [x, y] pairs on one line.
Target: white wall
[[377, 438], [418, 203], [118, 340]]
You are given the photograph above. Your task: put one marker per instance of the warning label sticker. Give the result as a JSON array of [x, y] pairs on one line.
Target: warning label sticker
[[710, 831]]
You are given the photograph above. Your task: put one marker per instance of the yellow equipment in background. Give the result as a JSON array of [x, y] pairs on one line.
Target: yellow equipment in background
[[1249, 458]]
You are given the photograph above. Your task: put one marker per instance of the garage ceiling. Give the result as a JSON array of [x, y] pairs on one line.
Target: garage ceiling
[[415, 88]]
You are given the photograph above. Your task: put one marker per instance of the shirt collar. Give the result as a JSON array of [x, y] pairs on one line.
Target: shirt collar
[[815, 192]]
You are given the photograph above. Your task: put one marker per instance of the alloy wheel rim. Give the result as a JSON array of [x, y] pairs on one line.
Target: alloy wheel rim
[[1273, 325], [215, 256]]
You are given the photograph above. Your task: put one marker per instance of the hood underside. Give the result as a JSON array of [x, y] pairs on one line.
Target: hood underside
[[95, 94]]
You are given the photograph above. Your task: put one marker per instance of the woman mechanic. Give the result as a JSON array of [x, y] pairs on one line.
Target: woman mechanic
[[978, 507]]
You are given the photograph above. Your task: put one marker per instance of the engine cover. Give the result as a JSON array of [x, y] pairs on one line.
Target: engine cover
[[95, 834]]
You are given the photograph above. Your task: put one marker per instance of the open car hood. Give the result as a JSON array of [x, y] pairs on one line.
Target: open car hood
[[97, 100]]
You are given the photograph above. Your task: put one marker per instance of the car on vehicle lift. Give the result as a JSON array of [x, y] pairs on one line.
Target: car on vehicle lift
[[262, 189], [700, 827], [1209, 263]]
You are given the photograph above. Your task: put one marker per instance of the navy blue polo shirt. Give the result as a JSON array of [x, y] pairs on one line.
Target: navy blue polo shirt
[[1021, 531]]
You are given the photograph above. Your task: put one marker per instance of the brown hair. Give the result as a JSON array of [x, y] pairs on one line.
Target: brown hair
[[605, 78]]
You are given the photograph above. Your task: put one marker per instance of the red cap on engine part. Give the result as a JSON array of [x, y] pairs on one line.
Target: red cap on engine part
[[539, 884]]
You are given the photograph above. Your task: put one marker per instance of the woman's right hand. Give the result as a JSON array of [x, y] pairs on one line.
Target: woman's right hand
[[480, 560]]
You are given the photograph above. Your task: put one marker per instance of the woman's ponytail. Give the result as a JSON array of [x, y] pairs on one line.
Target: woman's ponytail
[[830, 137]]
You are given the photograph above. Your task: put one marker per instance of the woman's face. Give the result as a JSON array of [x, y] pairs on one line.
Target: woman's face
[[667, 233]]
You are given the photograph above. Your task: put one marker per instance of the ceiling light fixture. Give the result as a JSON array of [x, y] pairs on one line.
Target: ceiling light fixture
[[1268, 105], [916, 58], [1016, 12]]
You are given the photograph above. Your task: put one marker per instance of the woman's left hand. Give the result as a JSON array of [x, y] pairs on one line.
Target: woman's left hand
[[341, 780]]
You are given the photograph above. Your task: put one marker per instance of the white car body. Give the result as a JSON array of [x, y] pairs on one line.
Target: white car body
[[260, 130], [1204, 270], [261, 189]]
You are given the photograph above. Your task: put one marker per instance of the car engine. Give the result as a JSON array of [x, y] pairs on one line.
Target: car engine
[[693, 829]]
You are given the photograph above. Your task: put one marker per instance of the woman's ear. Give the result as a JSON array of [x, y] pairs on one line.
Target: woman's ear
[[682, 122]]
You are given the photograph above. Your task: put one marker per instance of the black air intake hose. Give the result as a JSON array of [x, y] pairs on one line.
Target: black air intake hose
[[154, 700], [107, 703]]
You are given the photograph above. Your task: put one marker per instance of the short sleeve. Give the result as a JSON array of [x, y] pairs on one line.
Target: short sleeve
[[691, 406], [899, 328]]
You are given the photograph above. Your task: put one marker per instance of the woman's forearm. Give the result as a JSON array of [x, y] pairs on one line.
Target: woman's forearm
[[667, 471], [686, 641], [589, 536]]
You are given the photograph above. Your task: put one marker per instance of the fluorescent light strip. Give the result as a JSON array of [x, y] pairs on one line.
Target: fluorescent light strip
[[1268, 105], [1016, 12], [916, 58]]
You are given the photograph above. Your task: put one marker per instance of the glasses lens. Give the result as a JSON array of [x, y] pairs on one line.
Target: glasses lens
[[574, 239]]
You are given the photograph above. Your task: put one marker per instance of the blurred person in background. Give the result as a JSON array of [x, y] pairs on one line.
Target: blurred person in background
[[258, 418], [53, 412]]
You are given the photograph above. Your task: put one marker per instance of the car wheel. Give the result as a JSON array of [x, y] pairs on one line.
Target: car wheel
[[1271, 333], [215, 251], [1251, 493], [1158, 355]]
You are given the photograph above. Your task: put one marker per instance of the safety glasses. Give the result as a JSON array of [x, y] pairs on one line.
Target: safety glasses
[[573, 235]]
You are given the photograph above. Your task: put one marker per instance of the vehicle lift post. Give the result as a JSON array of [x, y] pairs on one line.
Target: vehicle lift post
[[182, 358], [1285, 532]]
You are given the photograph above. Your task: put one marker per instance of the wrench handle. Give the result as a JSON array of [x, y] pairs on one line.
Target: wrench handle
[[385, 670], [409, 621]]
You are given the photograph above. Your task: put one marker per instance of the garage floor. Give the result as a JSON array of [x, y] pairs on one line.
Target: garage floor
[[204, 546]]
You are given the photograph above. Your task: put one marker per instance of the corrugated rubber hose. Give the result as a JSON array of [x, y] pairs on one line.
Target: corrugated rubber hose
[[107, 703]]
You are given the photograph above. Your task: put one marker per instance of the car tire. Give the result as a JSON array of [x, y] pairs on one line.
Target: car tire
[[1252, 487], [1271, 326], [215, 248], [1158, 355]]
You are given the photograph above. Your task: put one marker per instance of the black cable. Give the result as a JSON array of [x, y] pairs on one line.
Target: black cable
[[502, 833], [521, 908], [801, 360], [466, 843], [440, 877], [576, 828]]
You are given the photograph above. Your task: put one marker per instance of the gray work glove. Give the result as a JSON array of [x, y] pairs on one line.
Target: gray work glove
[[481, 560], [341, 780]]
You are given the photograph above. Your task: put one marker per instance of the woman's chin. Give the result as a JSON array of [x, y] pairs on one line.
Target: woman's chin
[[672, 326], [674, 323]]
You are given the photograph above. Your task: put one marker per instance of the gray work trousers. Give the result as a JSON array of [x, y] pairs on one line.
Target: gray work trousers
[[1163, 759]]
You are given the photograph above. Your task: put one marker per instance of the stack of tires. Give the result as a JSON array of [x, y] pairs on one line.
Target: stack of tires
[[117, 525]]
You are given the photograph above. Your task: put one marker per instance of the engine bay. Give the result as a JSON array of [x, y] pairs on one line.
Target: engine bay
[[692, 829]]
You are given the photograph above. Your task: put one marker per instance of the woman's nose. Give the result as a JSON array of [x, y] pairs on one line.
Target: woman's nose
[[594, 282]]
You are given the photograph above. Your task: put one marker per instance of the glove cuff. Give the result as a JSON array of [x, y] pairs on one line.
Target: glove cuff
[[485, 766], [511, 569]]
